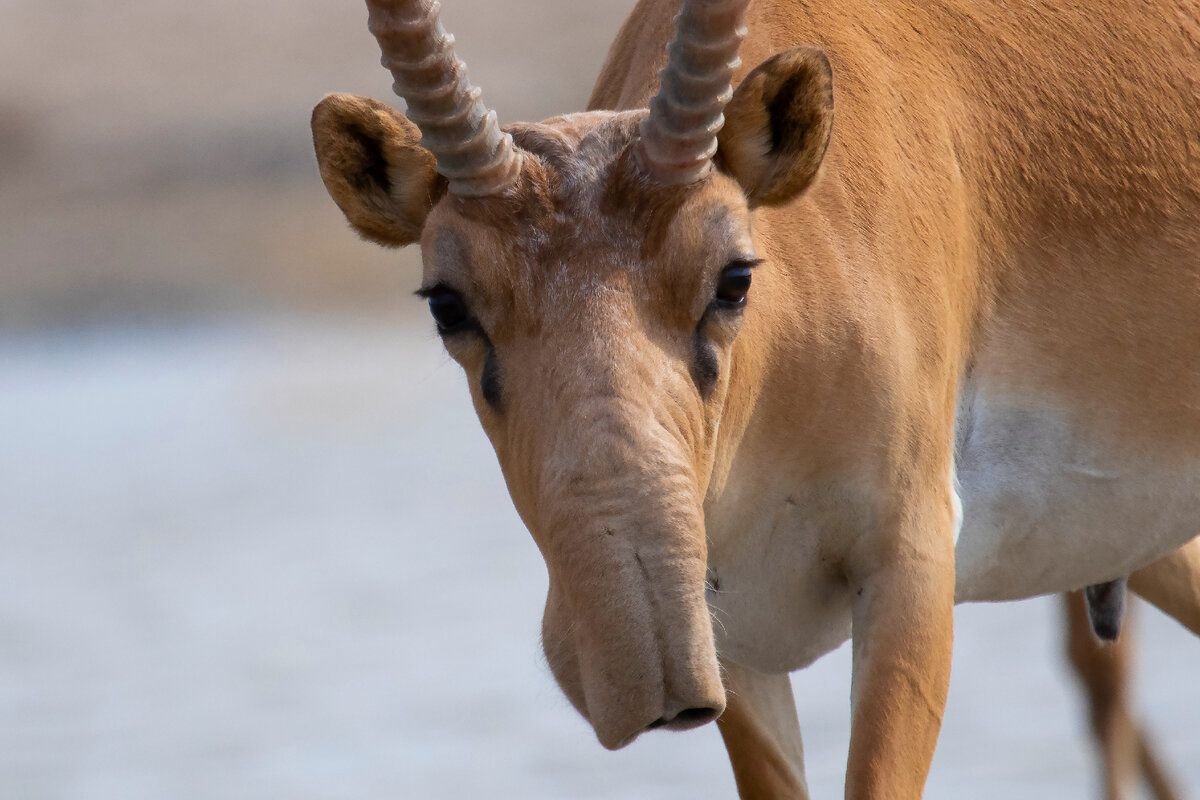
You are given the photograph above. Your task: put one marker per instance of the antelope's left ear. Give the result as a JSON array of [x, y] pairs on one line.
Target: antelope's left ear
[[777, 126]]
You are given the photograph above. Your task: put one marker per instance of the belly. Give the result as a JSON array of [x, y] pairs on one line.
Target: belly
[[1050, 504]]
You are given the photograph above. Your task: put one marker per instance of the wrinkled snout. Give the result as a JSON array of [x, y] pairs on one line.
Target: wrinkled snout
[[603, 462], [629, 639]]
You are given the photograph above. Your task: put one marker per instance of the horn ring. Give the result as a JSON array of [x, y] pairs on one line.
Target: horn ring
[[461, 132], [679, 136]]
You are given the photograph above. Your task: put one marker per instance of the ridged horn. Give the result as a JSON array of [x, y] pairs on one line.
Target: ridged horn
[[679, 137], [463, 135]]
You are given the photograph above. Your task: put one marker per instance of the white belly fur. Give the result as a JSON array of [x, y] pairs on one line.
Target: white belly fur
[[1049, 507]]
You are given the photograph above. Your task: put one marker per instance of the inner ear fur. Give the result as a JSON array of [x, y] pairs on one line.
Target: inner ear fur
[[777, 126], [375, 168]]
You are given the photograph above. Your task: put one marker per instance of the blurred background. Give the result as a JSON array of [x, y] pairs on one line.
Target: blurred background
[[253, 543]]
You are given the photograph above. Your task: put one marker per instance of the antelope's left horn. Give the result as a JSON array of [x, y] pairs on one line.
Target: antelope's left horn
[[679, 138]]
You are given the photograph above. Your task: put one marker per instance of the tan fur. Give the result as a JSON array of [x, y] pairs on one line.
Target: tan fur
[[1009, 194]]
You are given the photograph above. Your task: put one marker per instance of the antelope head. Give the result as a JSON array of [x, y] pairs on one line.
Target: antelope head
[[592, 275]]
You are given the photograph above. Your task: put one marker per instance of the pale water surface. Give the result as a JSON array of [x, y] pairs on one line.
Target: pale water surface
[[278, 561]]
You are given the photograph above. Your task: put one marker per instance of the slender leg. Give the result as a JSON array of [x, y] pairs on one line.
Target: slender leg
[[762, 735], [903, 631], [1173, 585], [1158, 780], [1104, 670]]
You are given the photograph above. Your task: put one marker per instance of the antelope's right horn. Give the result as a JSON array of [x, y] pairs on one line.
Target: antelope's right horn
[[463, 135], [679, 138]]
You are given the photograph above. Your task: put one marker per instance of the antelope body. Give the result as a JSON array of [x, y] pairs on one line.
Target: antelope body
[[909, 318]]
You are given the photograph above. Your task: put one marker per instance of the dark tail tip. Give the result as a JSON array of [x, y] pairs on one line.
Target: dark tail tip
[[1106, 608]]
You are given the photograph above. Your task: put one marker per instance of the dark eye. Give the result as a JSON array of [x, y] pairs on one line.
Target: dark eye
[[449, 310], [734, 284]]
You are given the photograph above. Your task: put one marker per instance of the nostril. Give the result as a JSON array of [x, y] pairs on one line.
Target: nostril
[[694, 717], [685, 720]]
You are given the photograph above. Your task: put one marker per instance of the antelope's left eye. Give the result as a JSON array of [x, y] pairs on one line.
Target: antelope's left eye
[[734, 284]]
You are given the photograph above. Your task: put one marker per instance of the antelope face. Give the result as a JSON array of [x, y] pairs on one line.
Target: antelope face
[[593, 285], [598, 357]]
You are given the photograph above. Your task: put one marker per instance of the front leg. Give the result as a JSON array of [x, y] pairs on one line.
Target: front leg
[[903, 632], [762, 735]]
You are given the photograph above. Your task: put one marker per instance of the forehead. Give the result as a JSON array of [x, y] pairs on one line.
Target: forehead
[[583, 209]]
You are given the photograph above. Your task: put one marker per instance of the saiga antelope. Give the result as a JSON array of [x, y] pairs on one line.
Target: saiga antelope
[[826, 377]]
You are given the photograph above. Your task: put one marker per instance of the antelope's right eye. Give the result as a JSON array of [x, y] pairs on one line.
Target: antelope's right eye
[[449, 310], [734, 283]]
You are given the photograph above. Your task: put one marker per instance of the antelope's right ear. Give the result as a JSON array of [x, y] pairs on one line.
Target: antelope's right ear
[[375, 168]]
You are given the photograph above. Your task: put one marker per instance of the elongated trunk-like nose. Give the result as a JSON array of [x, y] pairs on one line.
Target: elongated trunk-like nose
[[641, 647], [626, 552], [615, 504]]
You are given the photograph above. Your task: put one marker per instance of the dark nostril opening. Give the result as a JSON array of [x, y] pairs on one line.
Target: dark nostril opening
[[695, 716], [685, 720]]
